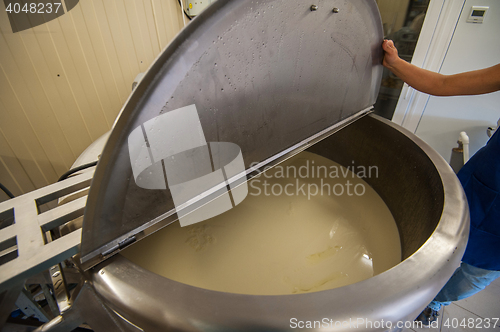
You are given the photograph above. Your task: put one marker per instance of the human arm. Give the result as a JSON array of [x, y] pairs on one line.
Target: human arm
[[468, 83]]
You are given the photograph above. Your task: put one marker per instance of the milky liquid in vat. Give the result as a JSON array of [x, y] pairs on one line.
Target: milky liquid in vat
[[282, 244]]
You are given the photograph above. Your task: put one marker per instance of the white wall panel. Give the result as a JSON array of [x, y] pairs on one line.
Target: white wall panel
[[63, 83]]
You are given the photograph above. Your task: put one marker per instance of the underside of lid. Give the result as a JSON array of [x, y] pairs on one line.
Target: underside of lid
[[241, 86]]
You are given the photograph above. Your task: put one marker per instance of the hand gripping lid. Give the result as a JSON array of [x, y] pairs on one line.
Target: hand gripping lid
[[244, 85]]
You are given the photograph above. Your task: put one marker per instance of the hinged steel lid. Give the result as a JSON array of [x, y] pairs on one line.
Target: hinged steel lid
[[245, 83]]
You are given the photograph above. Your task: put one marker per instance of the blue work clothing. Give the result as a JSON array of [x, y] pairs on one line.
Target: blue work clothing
[[466, 281], [480, 178]]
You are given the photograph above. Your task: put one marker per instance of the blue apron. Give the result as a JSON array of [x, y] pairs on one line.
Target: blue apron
[[480, 178]]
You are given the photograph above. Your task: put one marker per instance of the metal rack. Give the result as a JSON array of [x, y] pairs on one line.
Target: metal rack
[[30, 245]]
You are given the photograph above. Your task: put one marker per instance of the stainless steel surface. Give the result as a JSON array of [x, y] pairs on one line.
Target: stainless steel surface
[[61, 292], [270, 120], [407, 180], [165, 219], [32, 250], [71, 274], [54, 309], [263, 75], [87, 308], [429, 207], [62, 214], [92, 152]]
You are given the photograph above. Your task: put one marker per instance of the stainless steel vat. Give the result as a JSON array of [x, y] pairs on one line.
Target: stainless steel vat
[[294, 72], [428, 205]]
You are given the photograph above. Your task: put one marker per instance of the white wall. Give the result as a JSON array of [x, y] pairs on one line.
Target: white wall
[[63, 83], [473, 46]]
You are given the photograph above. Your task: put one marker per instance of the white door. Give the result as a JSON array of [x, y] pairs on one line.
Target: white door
[[449, 44]]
